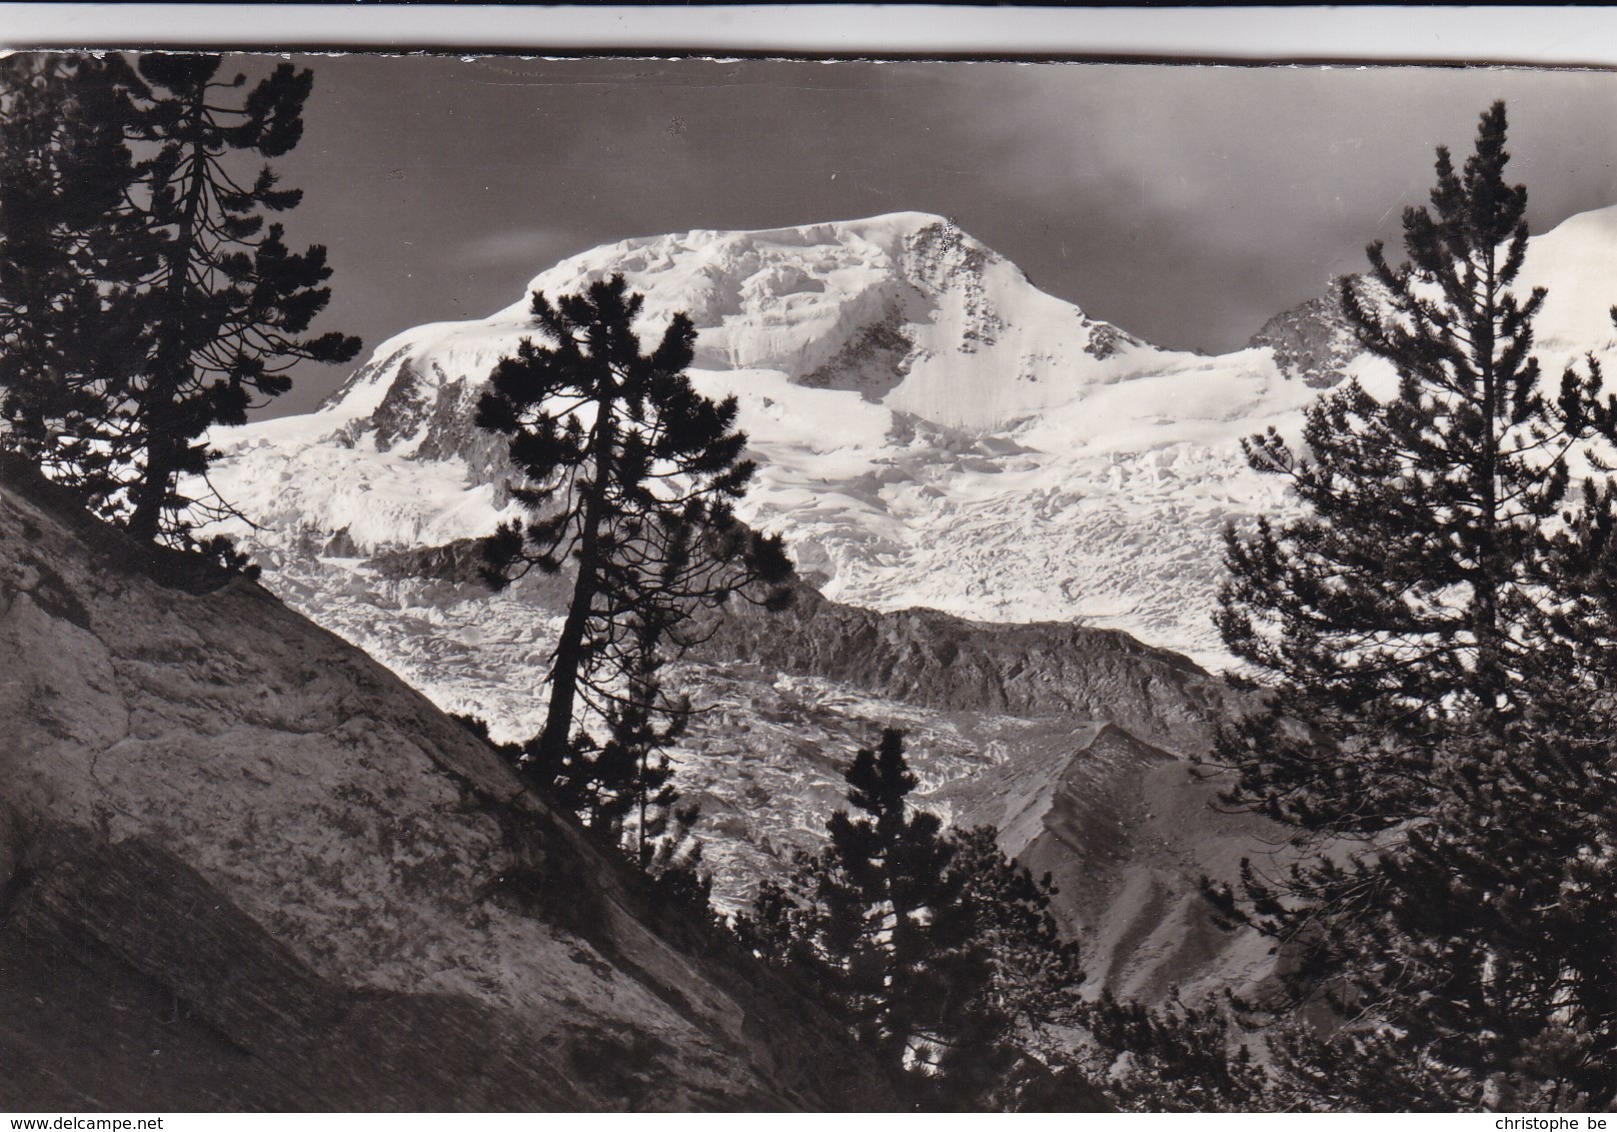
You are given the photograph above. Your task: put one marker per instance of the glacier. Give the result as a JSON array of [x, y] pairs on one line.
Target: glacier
[[930, 428]]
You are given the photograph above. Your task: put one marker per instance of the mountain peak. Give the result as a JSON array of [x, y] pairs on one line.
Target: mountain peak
[[1576, 263], [930, 429], [903, 308], [886, 230]]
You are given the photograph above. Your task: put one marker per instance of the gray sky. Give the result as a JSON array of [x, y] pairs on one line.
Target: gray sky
[[1184, 203]]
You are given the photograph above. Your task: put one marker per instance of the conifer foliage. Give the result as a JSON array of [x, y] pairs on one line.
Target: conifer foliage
[[887, 930], [1436, 635], [1426, 574], [1175, 1058], [630, 479], [228, 302], [71, 252], [1036, 967], [938, 953], [143, 298]]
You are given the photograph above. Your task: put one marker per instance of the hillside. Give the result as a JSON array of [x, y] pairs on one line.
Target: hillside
[[997, 717], [243, 866]]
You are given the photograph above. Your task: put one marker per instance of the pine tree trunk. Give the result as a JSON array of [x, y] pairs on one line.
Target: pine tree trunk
[[169, 370], [1489, 568], [569, 655], [640, 850]]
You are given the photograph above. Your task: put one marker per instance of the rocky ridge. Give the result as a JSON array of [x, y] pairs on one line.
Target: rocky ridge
[[937, 660], [1312, 342]]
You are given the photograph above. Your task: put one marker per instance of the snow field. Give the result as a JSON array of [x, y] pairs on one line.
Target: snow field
[[1009, 469]]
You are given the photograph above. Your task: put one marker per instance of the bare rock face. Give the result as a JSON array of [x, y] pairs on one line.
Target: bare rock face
[[1312, 342], [242, 866], [1127, 832], [938, 660]]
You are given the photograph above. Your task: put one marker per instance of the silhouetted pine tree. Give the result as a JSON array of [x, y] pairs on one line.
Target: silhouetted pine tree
[[1175, 1058], [630, 478], [228, 301], [1441, 624], [1036, 969], [71, 251], [671, 856], [629, 775], [1477, 971], [1425, 573], [1035, 980], [144, 300], [885, 929]]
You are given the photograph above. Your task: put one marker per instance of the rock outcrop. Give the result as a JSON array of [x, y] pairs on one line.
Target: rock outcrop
[[1127, 832], [1070, 740], [937, 660], [242, 866], [1313, 341]]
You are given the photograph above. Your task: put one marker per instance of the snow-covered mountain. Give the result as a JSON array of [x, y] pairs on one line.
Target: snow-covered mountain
[[931, 429], [904, 309]]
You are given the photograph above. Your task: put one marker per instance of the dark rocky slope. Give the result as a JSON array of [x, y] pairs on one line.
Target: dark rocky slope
[[918, 656], [1126, 831], [1072, 742], [242, 866]]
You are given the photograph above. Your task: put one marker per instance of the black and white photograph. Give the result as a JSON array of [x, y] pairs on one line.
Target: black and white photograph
[[711, 582]]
